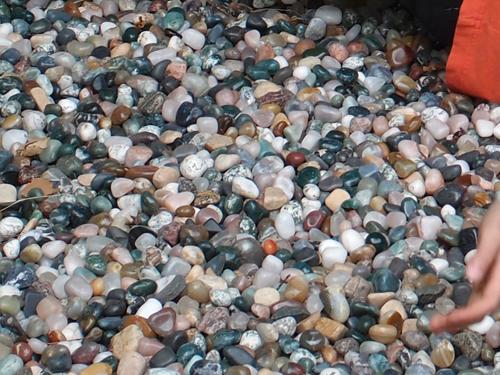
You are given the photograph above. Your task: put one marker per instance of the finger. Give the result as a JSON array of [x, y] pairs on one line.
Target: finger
[[476, 309], [461, 318], [488, 247]]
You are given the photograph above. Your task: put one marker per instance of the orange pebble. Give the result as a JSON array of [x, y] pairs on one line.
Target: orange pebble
[[270, 247]]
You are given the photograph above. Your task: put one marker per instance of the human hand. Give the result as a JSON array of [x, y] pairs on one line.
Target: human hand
[[483, 271]]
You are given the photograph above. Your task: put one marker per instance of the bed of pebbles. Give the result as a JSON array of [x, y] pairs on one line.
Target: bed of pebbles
[[209, 188]]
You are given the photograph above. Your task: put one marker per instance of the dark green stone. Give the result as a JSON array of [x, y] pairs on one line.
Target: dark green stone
[[255, 72], [397, 233], [255, 211], [359, 308], [358, 111], [112, 361], [98, 150], [346, 76], [288, 345], [53, 109], [331, 144], [286, 26], [174, 18], [373, 227], [385, 281], [110, 323], [364, 323], [100, 204], [40, 26], [322, 75], [237, 83], [80, 214], [449, 236], [9, 83], [241, 304], [70, 165], [377, 240], [225, 337], [283, 255], [351, 178], [358, 336], [187, 351], [307, 364], [430, 246], [308, 175], [233, 204], [142, 287], [421, 265], [136, 255], [149, 204], [109, 94], [59, 216], [409, 207], [270, 65], [96, 263], [230, 110], [130, 35]]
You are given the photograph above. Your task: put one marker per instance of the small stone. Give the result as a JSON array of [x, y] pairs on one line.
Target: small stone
[[126, 341]]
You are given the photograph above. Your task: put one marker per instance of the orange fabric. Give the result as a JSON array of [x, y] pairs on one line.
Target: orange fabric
[[474, 62]]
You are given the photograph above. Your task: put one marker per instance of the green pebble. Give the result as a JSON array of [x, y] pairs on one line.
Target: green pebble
[[385, 281], [308, 175], [100, 204], [174, 19], [96, 263], [377, 240], [142, 287], [149, 204], [225, 337], [187, 351], [233, 204]]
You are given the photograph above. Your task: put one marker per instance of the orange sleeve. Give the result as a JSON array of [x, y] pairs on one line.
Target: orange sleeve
[[474, 63]]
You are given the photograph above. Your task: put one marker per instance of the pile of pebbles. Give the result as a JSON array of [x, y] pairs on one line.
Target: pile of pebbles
[[201, 188]]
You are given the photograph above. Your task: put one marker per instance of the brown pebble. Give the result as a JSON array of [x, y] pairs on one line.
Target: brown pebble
[[384, 333], [185, 211], [120, 115], [303, 46]]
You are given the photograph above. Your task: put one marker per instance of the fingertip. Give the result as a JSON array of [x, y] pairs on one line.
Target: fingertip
[[438, 323], [473, 274], [474, 270]]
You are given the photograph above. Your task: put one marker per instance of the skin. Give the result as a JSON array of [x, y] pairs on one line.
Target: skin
[[483, 271]]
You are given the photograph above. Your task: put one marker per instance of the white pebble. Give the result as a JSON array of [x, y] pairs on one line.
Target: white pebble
[[311, 191], [485, 128], [68, 105], [439, 264], [301, 72], [193, 38], [483, 326], [147, 37], [10, 226], [12, 137], [352, 240], [245, 187], [12, 248], [86, 131], [192, 166], [150, 307], [285, 225]]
